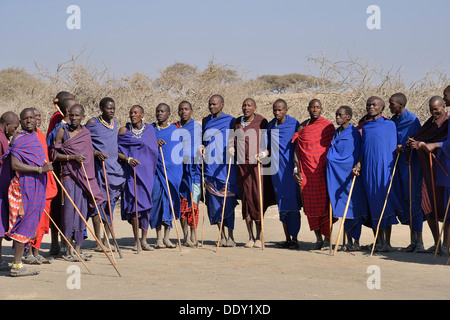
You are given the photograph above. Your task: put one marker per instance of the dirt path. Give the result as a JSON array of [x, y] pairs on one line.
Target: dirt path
[[239, 273]]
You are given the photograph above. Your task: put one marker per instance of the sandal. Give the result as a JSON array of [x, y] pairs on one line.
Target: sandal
[[22, 272], [30, 259], [160, 244], [43, 260], [146, 247], [169, 244]]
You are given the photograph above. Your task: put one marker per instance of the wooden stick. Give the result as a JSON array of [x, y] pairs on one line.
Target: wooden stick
[[170, 198], [136, 222], [330, 209], [98, 211], [440, 234], [193, 217], [111, 227], [112, 233], [384, 205], [67, 241], [55, 103], [85, 222], [204, 199], [224, 202], [410, 196], [261, 204], [344, 216], [437, 161]]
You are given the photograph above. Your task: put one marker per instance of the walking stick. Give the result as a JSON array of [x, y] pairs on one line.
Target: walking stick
[[204, 200], [331, 226], [261, 209], [67, 241], [224, 202], [434, 194], [344, 216], [170, 198], [111, 228], [136, 223], [410, 195], [98, 211], [193, 217], [85, 222], [384, 205], [440, 234]]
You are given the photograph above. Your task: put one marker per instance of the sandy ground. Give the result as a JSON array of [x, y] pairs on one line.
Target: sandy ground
[[238, 273]]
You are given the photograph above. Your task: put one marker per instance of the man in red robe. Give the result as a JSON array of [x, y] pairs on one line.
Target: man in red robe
[[313, 139]]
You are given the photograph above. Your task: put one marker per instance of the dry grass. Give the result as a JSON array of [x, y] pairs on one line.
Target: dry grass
[[350, 82]]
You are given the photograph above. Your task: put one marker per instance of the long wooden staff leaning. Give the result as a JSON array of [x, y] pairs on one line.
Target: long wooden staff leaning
[[67, 241], [136, 220], [55, 103], [410, 194], [111, 229], [204, 198], [193, 217], [98, 211], [170, 198], [224, 202], [384, 205], [344, 216], [261, 203], [85, 222], [440, 233]]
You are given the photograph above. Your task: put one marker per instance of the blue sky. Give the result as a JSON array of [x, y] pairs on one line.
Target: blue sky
[[262, 37]]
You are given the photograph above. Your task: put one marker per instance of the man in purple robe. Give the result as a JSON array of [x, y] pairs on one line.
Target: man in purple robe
[[73, 148], [104, 140], [26, 193], [138, 151]]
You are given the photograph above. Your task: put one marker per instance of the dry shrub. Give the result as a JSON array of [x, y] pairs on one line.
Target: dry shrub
[[339, 82]]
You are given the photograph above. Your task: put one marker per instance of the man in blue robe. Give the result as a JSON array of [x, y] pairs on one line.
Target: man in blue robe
[[409, 173], [161, 213], [216, 129], [280, 132], [342, 157], [378, 155], [443, 156]]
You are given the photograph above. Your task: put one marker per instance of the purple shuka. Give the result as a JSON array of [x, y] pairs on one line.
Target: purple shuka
[[143, 148], [81, 144], [28, 150], [105, 140]]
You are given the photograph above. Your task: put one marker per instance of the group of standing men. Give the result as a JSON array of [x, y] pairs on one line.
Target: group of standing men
[[378, 173]]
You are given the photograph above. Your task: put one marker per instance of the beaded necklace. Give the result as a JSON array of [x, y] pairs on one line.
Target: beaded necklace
[[137, 133], [160, 128], [243, 123], [105, 123]]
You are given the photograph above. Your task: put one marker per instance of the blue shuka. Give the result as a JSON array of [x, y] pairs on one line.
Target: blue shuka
[[379, 142], [161, 212], [287, 191], [191, 136], [342, 156], [408, 124], [215, 139], [443, 155]]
